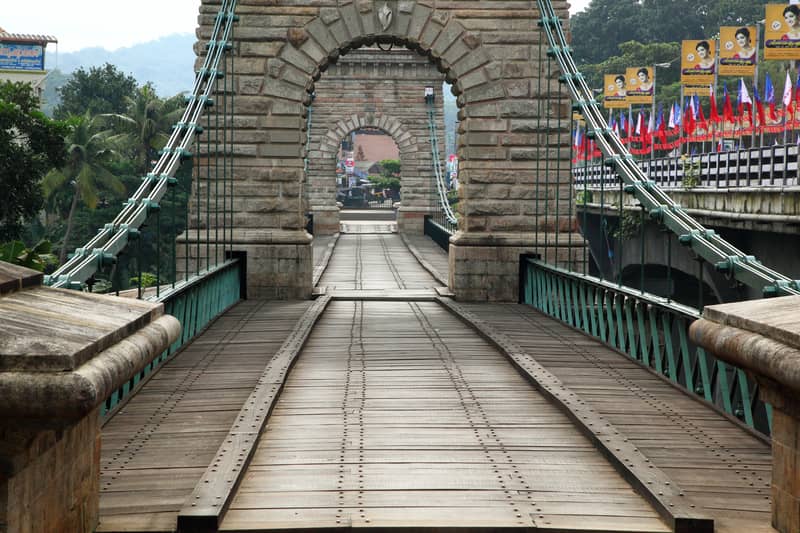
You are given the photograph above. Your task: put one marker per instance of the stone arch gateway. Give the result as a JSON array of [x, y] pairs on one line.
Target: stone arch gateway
[[489, 51], [323, 163], [382, 90]]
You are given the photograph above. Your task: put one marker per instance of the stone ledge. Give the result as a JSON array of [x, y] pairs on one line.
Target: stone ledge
[[763, 357], [58, 330], [14, 278], [776, 318], [252, 236], [35, 398], [525, 240]]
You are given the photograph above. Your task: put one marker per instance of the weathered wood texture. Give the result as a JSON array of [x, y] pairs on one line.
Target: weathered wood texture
[[720, 465], [374, 262], [398, 415], [157, 447]]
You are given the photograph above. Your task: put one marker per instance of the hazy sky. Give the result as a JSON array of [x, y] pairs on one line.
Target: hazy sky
[[110, 24]]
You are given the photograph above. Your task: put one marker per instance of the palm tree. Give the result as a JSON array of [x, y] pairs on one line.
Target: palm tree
[[85, 171], [145, 128]]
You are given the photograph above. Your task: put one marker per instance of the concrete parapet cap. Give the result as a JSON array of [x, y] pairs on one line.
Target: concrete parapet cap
[[58, 330], [775, 318], [48, 399], [318, 208], [762, 337], [523, 240], [14, 278]]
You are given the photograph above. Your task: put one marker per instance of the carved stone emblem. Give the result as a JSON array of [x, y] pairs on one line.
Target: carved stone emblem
[[385, 16]]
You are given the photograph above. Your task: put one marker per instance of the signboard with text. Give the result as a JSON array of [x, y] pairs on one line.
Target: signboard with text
[[737, 50], [21, 56], [782, 31], [614, 91]]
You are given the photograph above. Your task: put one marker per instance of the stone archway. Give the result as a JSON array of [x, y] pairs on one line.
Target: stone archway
[[322, 190], [490, 53], [362, 90]]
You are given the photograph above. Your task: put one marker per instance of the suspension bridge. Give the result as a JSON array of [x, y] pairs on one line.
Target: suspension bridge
[[470, 371]]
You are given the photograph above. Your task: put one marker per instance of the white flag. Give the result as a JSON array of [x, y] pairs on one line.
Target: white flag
[[787, 91]]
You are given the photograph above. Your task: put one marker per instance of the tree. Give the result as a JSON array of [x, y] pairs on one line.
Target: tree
[[144, 128], [598, 31], [98, 90], [391, 167], [84, 174], [30, 144]]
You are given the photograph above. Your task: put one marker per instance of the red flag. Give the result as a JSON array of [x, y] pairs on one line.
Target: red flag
[[727, 108], [688, 119], [702, 123], [714, 116]]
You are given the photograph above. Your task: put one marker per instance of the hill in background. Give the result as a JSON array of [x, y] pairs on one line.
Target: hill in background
[[168, 63]]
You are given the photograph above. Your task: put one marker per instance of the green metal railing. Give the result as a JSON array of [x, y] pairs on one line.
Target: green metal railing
[[196, 304], [650, 330], [203, 129]]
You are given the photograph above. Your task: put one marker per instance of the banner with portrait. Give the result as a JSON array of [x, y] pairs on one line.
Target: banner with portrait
[[697, 62], [640, 85], [782, 31], [738, 50], [615, 95]]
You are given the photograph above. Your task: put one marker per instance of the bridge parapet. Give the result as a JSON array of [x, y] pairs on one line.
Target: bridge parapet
[[62, 353], [763, 337]]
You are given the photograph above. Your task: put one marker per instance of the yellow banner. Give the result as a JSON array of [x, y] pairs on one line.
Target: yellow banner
[[614, 92], [782, 31], [640, 85], [699, 90], [697, 62], [737, 50]]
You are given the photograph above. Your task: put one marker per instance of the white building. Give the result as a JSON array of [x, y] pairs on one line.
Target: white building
[[22, 58]]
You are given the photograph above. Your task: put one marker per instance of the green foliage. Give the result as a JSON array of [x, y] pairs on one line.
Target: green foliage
[[583, 197], [691, 172], [144, 128], [598, 31], [629, 226], [382, 182], [452, 197], [36, 258], [99, 90], [390, 167], [85, 176], [633, 53], [148, 280], [30, 144]]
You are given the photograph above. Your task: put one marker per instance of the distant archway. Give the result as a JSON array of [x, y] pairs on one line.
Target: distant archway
[[322, 168]]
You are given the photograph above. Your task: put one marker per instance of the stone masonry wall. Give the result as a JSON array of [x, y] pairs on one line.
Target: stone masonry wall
[[492, 53], [56, 489]]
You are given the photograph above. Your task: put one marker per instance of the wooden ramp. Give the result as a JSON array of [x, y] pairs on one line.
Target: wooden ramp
[[406, 411], [398, 415]]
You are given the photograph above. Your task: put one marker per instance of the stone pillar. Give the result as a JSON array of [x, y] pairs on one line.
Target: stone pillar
[[62, 353], [763, 337]]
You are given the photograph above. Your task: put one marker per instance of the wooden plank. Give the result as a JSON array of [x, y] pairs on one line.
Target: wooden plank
[[212, 495], [669, 499]]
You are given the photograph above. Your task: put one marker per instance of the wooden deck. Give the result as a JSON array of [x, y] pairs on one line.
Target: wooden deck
[[398, 413]]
